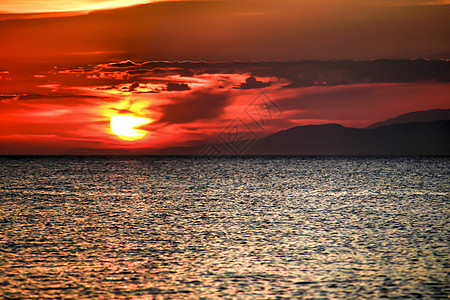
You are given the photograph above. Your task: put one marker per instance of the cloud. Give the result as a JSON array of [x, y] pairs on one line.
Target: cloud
[[363, 104], [299, 74], [49, 6], [133, 86], [106, 88], [123, 64], [173, 86], [24, 97], [252, 83], [197, 105]]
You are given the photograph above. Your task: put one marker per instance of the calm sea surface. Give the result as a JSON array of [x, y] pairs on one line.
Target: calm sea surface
[[233, 228]]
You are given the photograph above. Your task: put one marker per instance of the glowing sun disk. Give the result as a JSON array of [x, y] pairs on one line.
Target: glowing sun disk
[[124, 126]]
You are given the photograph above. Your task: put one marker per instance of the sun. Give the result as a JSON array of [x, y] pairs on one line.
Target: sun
[[124, 126]]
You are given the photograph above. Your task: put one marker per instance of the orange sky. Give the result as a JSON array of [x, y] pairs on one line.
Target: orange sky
[[59, 86], [44, 6], [229, 30]]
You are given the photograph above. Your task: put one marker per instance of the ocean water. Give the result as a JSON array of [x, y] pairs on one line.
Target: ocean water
[[224, 228]]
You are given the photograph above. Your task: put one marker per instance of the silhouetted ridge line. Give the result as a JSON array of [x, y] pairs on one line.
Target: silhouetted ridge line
[[417, 116]]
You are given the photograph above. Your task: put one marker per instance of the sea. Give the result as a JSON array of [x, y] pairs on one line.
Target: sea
[[257, 227]]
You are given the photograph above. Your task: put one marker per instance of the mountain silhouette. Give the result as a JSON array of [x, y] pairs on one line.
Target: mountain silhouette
[[416, 133], [418, 138], [417, 116]]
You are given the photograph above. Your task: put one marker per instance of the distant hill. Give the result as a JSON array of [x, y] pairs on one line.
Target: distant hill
[[417, 133], [92, 151], [187, 150], [419, 138], [417, 116]]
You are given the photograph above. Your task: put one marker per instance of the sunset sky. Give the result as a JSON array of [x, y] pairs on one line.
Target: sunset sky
[[187, 70]]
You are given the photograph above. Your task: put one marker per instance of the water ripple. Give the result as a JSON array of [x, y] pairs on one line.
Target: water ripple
[[245, 228]]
